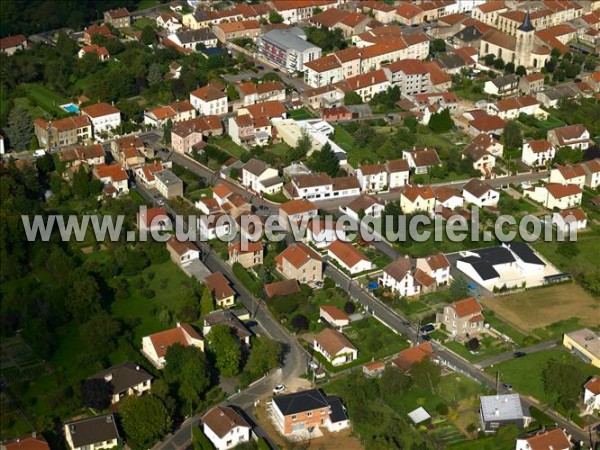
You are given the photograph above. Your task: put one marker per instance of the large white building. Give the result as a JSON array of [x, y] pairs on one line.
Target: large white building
[[209, 100], [104, 118], [288, 48], [261, 178]]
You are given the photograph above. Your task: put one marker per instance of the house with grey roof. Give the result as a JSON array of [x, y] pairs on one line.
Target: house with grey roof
[[190, 39], [125, 379], [288, 48], [498, 410], [260, 177], [98, 432]]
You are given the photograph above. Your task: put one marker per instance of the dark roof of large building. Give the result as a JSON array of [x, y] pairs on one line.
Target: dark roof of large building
[[123, 376], [487, 259], [299, 402], [93, 430], [338, 414], [525, 253], [483, 268]]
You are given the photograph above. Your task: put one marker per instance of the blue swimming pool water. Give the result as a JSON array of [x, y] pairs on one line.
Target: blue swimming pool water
[[70, 108]]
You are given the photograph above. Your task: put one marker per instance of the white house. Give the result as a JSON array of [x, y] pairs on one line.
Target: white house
[[379, 177], [546, 439], [510, 108], [225, 428], [569, 219], [127, 378], [422, 159], [168, 22], [574, 136], [448, 198], [104, 117], [591, 395], [592, 173], [436, 266], [538, 153], [190, 39], [215, 225], [182, 252], [417, 199], [568, 174], [209, 100], [397, 276], [155, 346], [335, 347], [480, 193], [366, 205], [334, 316], [323, 232], [261, 178], [113, 177], [349, 257], [554, 195], [97, 432], [296, 211]]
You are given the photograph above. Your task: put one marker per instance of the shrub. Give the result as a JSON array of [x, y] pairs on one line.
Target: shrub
[[349, 307], [300, 322], [442, 409], [251, 283]]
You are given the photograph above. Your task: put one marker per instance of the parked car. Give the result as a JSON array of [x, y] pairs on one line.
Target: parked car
[[427, 328], [519, 354], [279, 389], [425, 337]]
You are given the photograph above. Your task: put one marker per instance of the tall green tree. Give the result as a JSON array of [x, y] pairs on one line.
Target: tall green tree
[[20, 129], [207, 303], [325, 161], [154, 74], [167, 131], [187, 373], [352, 98], [264, 356], [563, 380], [275, 17], [426, 374], [148, 36], [145, 420], [83, 298], [81, 183], [226, 349], [441, 122], [512, 136]]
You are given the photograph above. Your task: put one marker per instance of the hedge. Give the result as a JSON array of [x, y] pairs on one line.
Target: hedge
[[200, 440], [251, 283]]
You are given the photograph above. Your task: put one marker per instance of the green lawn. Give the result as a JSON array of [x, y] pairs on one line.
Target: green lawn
[[301, 114], [278, 149], [33, 110], [525, 374], [143, 22], [519, 338], [225, 143], [145, 4], [489, 347], [46, 99]]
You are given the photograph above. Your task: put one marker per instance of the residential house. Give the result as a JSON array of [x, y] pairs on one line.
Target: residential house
[[538, 153], [592, 173], [574, 136], [145, 174], [337, 114], [300, 262], [90, 155], [323, 97], [270, 109], [398, 277], [209, 100], [335, 347], [248, 255], [323, 71], [421, 159], [487, 124], [311, 186], [374, 369], [298, 11], [175, 112], [246, 131], [118, 18], [483, 160], [381, 11], [259, 177], [584, 343], [412, 76], [101, 52], [287, 49], [220, 290], [569, 219], [480, 193], [230, 318], [30, 441], [436, 266], [545, 439], [11, 44], [182, 252], [568, 174], [449, 198], [365, 205], [379, 177], [128, 151], [436, 101], [225, 428], [215, 225], [531, 83], [333, 316], [502, 86], [187, 134], [155, 346], [194, 40], [169, 22], [125, 379], [498, 410], [113, 177], [415, 199], [349, 258], [93, 30], [297, 412], [63, 132], [350, 23], [97, 432], [322, 232], [554, 195], [366, 85], [153, 219], [297, 211], [240, 29], [413, 355], [168, 184], [281, 288], [591, 395], [462, 318], [104, 117], [511, 108], [252, 93]]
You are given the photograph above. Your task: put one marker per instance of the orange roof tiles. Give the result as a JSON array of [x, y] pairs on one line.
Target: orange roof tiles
[[540, 146], [413, 355], [299, 206], [219, 286], [163, 340], [298, 255], [281, 288], [593, 385], [113, 171], [413, 192], [181, 247], [347, 253], [99, 110], [33, 441], [332, 341], [466, 307], [562, 190], [239, 25], [334, 312], [270, 109], [553, 439]]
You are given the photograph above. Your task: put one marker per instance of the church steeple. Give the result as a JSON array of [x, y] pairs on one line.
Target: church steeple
[[527, 25]]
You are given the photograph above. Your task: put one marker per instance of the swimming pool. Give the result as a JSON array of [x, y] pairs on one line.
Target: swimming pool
[[70, 108]]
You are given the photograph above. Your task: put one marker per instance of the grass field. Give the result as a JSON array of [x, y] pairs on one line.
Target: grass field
[[12, 423], [229, 146], [300, 114], [144, 4], [46, 99], [33, 110], [143, 22], [539, 308], [525, 374]]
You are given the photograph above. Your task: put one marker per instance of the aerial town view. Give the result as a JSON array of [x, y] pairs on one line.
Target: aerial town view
[[300, 224]]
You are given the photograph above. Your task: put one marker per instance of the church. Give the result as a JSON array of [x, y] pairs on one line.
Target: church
[[522, 49]]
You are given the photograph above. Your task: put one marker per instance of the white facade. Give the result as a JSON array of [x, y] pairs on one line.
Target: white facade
[[236, 436], [213, 226], [361, 266], [344, 356], [405, 287], [566, 225], [591, 400], [490, 198], [211, 107], [537, 159], [542, 195], [556, 176], [255, 182]]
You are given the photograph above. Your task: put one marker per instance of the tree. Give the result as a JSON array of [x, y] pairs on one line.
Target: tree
[[154, 74], [441, 122], [187, 373], [393, 382], [34, 144], [275, 17], [499, 64], [489, 59], [564, 381], [167, 131], [473, 344], [81, 182], [438, 45], [325, 161], [521, 71], [20, 129], [426, 374], [555, 53], [459, 289], [349, 307], [364, 134], [148, 36], [512, 136], [573, 70], [96, 393], [509, 67], [352, 98], [302, 147], [559, 75], [264, 356], [145, 420], [226, 350], [83, 299], [101, 332], [206, 302], [300, 322]]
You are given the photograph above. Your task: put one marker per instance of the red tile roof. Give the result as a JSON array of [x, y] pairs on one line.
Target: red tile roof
[[281, 288], [223, 419], [593, 385], [562, 190], [553, 439], [239, 25], [99, 110], [540, 146], [413, 355], [299, 206], [333, 342], [12, 41], [334, 312], [163, 340], [466, 307], [219, 286], [412, 192], [32, 441], [269, 109], [577, 215], [114, 172], [487, 124], [298, 255], [347, 253]]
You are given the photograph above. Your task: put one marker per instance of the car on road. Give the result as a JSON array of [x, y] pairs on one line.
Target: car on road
[[519, 354], [251, 324], [279, 389], [427, 328], [425, 337]]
